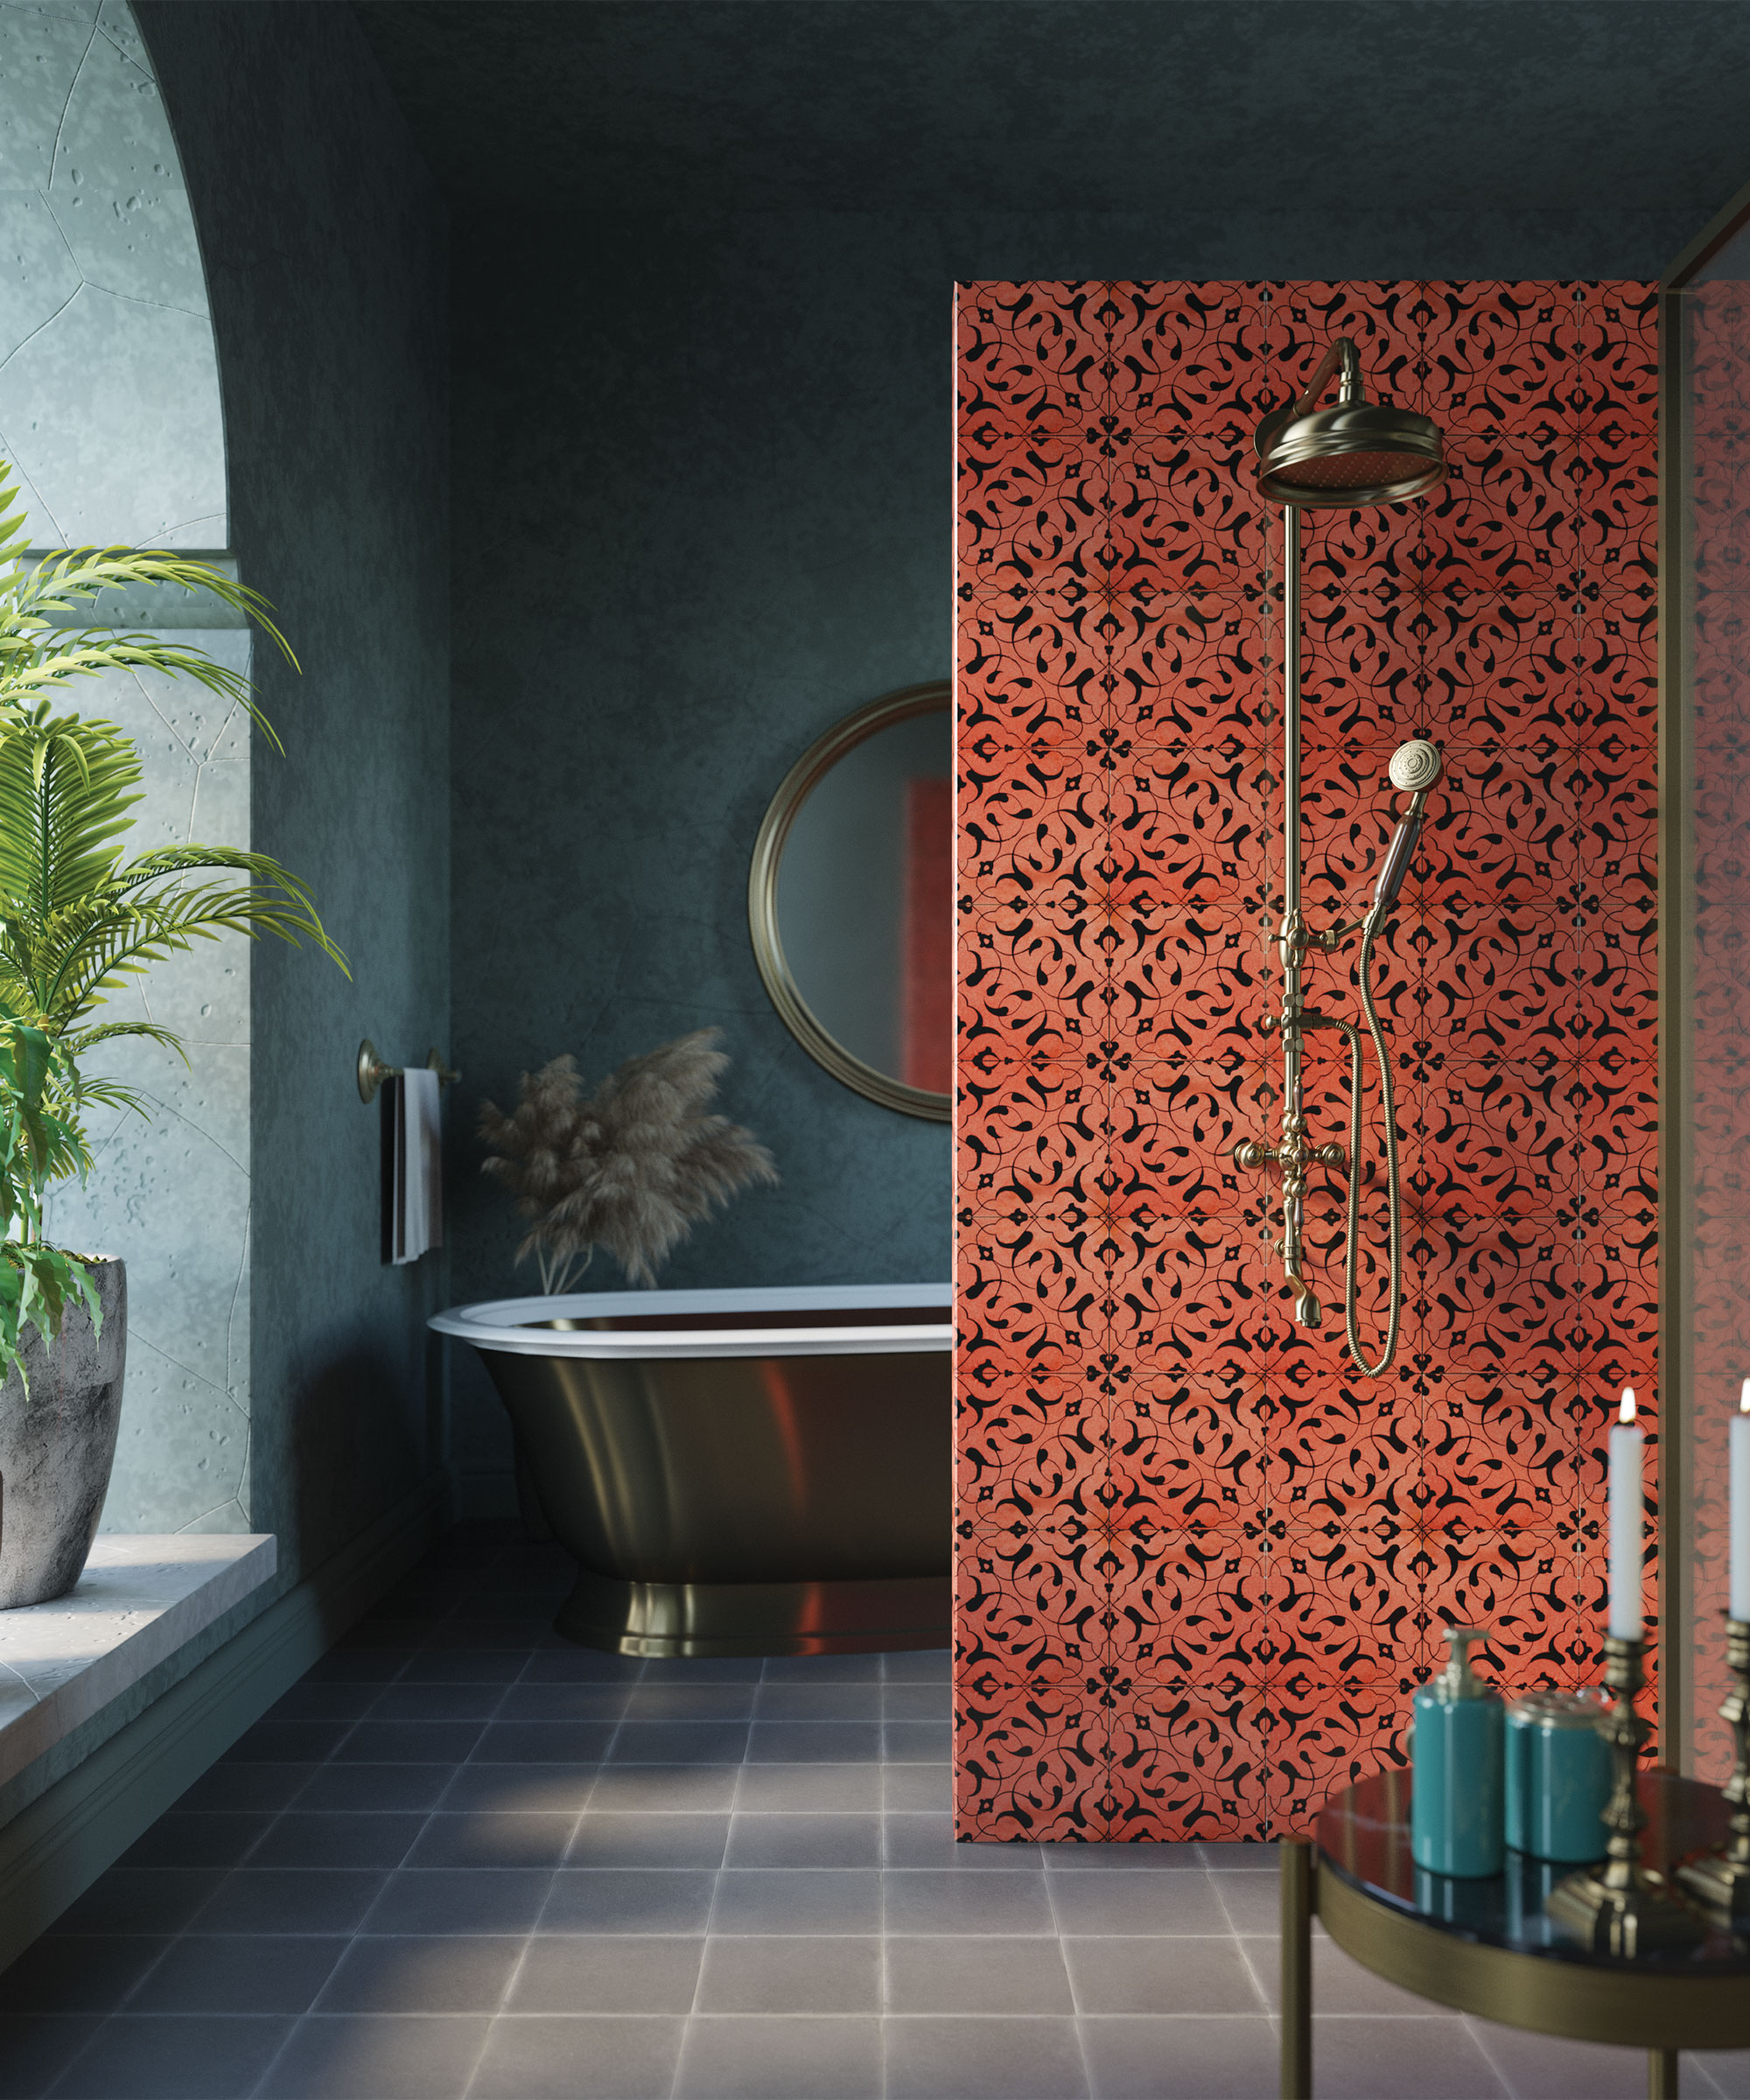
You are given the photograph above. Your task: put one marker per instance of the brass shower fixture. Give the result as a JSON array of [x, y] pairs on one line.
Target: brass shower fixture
[[1355, 454]]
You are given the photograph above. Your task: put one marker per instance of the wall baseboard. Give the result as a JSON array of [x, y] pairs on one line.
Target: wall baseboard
[[53, 1850]]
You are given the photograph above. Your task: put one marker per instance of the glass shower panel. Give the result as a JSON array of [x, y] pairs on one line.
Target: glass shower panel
[[1708, 749]]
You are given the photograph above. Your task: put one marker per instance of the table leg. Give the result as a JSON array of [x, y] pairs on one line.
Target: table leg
[[1661, 2074], [1296, 1969]]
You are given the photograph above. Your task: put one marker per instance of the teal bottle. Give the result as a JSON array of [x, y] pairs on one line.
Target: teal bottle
[[1458, 1807]]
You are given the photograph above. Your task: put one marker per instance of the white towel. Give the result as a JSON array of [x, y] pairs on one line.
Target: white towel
[[418, 1167]]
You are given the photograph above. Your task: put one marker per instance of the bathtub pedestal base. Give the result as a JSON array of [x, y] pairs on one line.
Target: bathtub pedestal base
[[755, 1618]]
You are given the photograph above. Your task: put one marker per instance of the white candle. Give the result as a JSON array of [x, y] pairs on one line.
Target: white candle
[[1625, 1523], [1741, 1506]]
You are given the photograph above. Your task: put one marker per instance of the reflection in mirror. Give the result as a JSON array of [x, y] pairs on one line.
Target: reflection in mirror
[[852, 900], [866, 901]]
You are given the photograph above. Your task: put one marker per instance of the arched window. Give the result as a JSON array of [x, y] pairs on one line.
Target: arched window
[[110, 415]]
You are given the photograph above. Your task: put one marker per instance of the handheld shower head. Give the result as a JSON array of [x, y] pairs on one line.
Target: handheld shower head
[[1415, 768], [1355, 454]]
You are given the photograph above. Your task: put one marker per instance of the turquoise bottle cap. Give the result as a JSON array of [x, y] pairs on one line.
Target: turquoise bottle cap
[[1551, 1709], [1457, 1680]]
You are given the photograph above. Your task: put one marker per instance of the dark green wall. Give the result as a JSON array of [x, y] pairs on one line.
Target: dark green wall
[[326, 247]]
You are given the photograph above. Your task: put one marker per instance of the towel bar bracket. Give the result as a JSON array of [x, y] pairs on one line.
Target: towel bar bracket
[[372, 1071]]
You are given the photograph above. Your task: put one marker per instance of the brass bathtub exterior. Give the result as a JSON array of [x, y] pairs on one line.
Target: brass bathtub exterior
[[775, 1505]]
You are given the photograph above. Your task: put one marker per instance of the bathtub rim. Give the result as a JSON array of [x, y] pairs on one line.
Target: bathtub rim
[[499, 1323]]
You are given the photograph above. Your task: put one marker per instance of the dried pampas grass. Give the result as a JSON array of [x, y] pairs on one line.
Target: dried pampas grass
[[632, 1169]]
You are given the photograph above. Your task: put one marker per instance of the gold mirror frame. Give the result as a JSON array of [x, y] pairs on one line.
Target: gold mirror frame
[[762, 896]]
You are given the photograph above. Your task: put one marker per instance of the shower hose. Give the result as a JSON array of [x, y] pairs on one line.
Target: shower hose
[[1352, 1233]]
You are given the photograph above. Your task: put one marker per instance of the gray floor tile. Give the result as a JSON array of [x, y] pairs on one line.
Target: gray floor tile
[[665, 1789], [152, 1899], [568, 1665], [814, 1742], [1242, 1858], [976, 1972], [431, 1974], [284, 1899], [809, 1789], [34, 2053], [804, 1841], [697, 1669], [966, 2059], [629, 1900], [1434, 2057], [59, 1974], [927, 1788], [1125, 1858], [773, 1974], [212, 1838], [257, 1972], [796, 2057], [926, 1901], [1185, 2058], [929, 1841], [409, 1742], [648, 1840], [545, 1742], [917, 1742], [919, 1666], [195, 2057], [902, 1701], [358, 1666], [679, 1743], [461, 1666], [307, 1838], [602, 1972], [493, 1837], [1338, 1983], [1550, 2068], [590, 1701], [551, 1787], [1146, 1903], [822, 1670], [824, 1701], [1726, 2070], [380, 1788], [819, 1900], [288, 1742], [436, 1703], [469, 1900], [706, 1702], [242, 1787], [1252, 1903], [379, 2056], [536, 2058], [1171, 1975]]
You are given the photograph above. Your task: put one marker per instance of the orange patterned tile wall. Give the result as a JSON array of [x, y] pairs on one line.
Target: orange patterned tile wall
[[1200, 1563]]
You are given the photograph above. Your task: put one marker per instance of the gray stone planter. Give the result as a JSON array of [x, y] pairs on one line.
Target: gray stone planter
[[57, 1448]]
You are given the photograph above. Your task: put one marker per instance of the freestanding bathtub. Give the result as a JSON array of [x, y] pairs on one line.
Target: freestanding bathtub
[[737, 1472]]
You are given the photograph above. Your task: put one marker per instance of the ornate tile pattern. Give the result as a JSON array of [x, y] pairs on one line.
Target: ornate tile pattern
[[1202, 1564]]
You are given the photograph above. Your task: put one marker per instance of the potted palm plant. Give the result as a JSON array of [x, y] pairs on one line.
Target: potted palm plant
[[80, 920]]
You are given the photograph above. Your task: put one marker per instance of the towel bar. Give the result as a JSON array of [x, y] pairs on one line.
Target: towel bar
[[372, 1071]]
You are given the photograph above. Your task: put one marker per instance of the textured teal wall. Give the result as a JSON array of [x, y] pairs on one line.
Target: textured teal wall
[[325, 251]]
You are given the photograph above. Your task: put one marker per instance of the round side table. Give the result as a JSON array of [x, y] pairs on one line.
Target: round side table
[[1488, 1947]]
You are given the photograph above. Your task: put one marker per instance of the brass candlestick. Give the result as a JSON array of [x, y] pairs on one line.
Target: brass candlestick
[[1624, 1909], [1721, 1879]]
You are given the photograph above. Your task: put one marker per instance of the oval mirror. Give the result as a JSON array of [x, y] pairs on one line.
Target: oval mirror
[[850, 900]]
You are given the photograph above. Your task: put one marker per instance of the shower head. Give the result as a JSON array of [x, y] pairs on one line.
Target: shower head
[[1414, 767], [1357, 453]]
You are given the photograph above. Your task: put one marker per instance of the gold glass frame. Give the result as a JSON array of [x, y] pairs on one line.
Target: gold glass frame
[[762, 896]]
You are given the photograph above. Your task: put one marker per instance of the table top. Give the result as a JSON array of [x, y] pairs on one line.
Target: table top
[[1363, 1836]]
